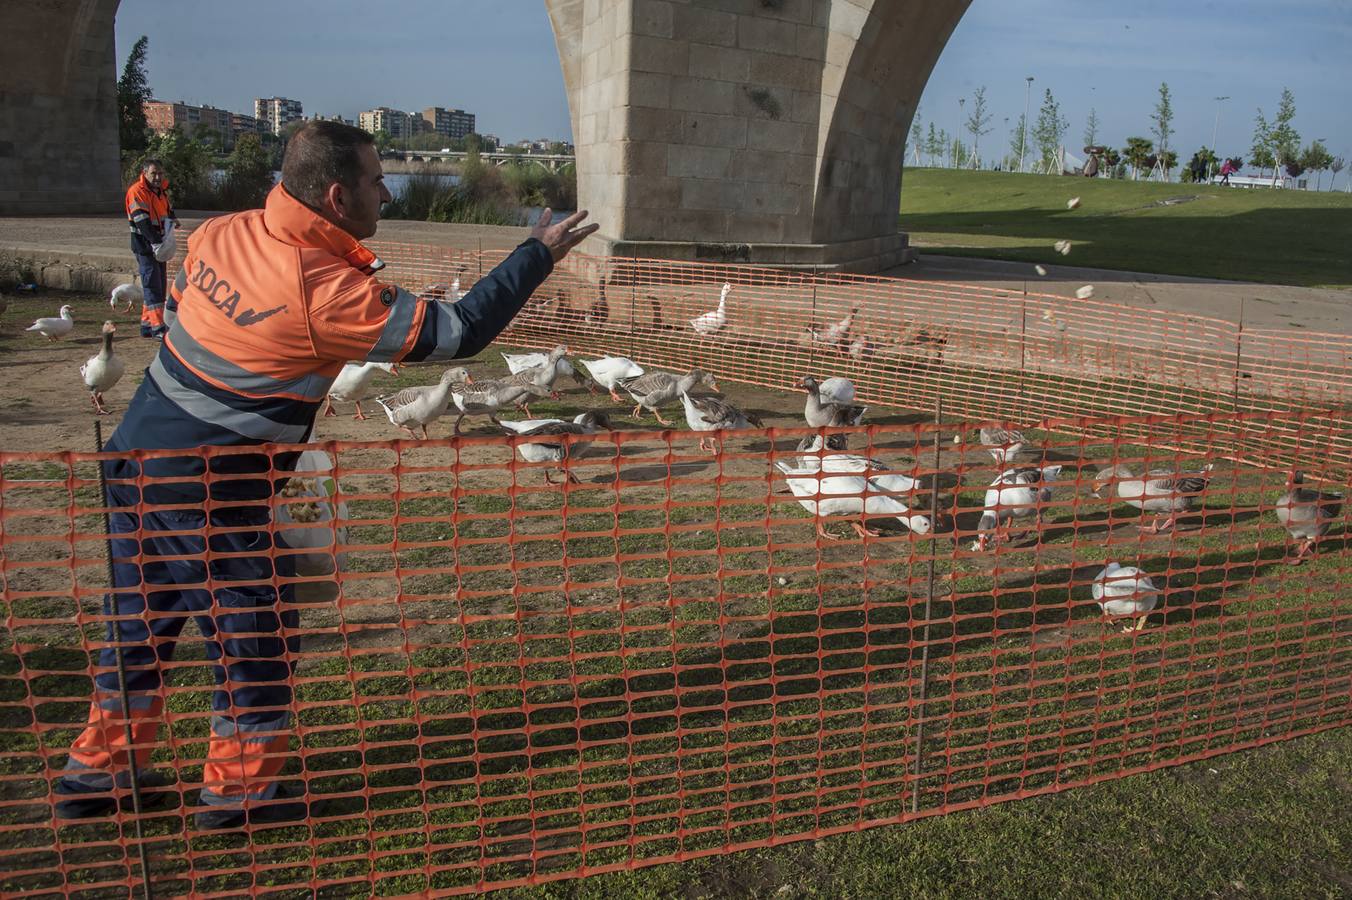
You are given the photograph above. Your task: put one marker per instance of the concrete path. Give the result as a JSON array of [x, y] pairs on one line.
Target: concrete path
[[99, 244]]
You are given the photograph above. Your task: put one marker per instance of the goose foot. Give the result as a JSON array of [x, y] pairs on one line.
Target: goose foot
[[1137, 625], [409, 431], [360, 416], [663, 421], [328, 408], [616, 397], [862, 531], [826, 535]]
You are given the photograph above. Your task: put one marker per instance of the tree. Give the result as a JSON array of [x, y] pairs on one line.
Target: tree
[[917, 142], [248, 174], [945, 144], [1138, 153], [978, 123], [383, 140], [188, 165], [1202, 162], [1050, 127], [1091, 129], [1018, 141], [1280, 142], [133, 92], [933, 146], [1316, 158], [1261, 151], [1336, 165], [1163, 127]]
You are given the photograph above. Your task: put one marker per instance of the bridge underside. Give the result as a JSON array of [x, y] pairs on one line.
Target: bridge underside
[[58, 108], [769, 132]]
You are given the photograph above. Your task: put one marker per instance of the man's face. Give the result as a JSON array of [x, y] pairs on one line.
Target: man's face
[[361, 206], [154, 175]]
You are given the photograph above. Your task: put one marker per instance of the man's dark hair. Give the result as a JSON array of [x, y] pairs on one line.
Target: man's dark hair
[[320, 153], [151, 161]]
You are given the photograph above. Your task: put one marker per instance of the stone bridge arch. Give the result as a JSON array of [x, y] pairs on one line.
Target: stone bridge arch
[[767, 131]]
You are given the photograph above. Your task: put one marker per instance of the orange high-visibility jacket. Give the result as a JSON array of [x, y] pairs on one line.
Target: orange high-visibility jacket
[[147, 208], [271, 303]]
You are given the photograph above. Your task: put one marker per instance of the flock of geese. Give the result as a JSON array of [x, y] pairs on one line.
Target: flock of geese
[[825, 480]]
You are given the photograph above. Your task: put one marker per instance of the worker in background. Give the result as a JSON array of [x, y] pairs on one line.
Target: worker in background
[[271, 304], [148, 209]]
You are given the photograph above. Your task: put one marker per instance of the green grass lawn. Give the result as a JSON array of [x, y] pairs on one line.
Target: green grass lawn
[[1280, 237]]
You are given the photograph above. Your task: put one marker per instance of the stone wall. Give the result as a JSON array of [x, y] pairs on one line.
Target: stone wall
[[58, 108]]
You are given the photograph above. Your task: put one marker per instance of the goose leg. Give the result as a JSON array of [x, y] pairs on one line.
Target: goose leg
[[360, 416], [424, 428], [824, 534], [409, 431], [658, 414], [862, 531], [458, 419], [571, 477], [614, 396], [638, 412], [328, 408]]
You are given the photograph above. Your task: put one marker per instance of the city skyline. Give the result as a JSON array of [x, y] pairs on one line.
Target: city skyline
[[504, 66]]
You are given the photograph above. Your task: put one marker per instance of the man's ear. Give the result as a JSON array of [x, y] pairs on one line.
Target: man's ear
[[336, 200]]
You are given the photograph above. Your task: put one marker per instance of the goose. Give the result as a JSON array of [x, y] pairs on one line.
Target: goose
[[1164, 493], [488, 397], [102, 371], [55, 327], [713, 414], [658, 323], [422, 405], [837, 390], [544, 375], [822, 413], [598, 313], [549, 451], [877, 471], [440, 290], [1015, 494], [1125, 591], [353, 385], [812, 444], [714, 320], [653, 390], [1306, 514], [862, 346], [837, 333], [609, 371], [1003, 444], [852, 494], [127, 295], [520, 362]]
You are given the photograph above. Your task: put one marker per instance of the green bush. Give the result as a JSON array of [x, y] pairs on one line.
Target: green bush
[[248, 175], [479, 198]]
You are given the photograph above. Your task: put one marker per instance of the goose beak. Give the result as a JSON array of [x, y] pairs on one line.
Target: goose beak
[[469, 379]]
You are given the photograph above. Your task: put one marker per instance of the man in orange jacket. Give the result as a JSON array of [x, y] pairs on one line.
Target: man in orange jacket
[[148, 209], [270, 304]]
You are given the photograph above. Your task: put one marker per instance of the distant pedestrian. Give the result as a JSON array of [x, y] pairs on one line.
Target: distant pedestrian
[[148, 210], [1227, 169]]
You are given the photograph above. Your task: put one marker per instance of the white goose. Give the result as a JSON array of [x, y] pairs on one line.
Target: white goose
[[854, 494], [126, 296], [609, 371], [55, 327], [1125, 591], [422, 405], [1003, 444], [1016, 494], [545, 451], [520, 362], [837, 390], [102, 371], [714, 320], [353, 385], [836, 332], [1162, 492]]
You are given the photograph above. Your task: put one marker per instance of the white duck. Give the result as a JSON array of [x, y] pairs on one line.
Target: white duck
[[422, 405], [1306, 514], [103, 371], [714, 320], [836, 332], [609, 371], [1125, 591], [713, 414], [1016, 494], [545, 451], [353, 385], [1164, 493], [853, 494], [1003, 444], [125, 296], [52, 327]]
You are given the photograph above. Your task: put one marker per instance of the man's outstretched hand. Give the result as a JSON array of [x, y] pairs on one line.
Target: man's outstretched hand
[[562, 236]]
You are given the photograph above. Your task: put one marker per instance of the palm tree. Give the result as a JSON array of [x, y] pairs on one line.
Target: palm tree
[[1137, 152]]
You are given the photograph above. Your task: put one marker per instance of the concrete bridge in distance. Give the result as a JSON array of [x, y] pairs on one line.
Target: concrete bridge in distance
[[758, 131], [553, 162]]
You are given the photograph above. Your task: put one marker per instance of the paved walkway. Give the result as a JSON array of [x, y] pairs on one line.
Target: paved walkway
[[100, 242]]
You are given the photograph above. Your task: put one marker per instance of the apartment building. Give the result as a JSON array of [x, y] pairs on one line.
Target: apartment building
[[277, 112], [449, 123], [164, 115]]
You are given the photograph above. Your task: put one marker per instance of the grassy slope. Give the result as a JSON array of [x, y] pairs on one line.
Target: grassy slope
[[1282, 237]]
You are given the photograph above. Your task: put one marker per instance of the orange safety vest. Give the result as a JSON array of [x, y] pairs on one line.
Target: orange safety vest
[[144, 202]]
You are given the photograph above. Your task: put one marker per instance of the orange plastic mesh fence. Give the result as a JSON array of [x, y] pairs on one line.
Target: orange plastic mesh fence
[[500, 681]]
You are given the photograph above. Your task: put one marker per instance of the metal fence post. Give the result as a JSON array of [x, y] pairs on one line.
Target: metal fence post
[[929, 604]]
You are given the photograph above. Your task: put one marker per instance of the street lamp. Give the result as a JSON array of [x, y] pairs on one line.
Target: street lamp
[[957, 137], [1215, 132], [1023, 139]]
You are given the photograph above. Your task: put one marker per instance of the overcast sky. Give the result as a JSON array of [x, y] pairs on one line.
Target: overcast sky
[[496, 58]]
